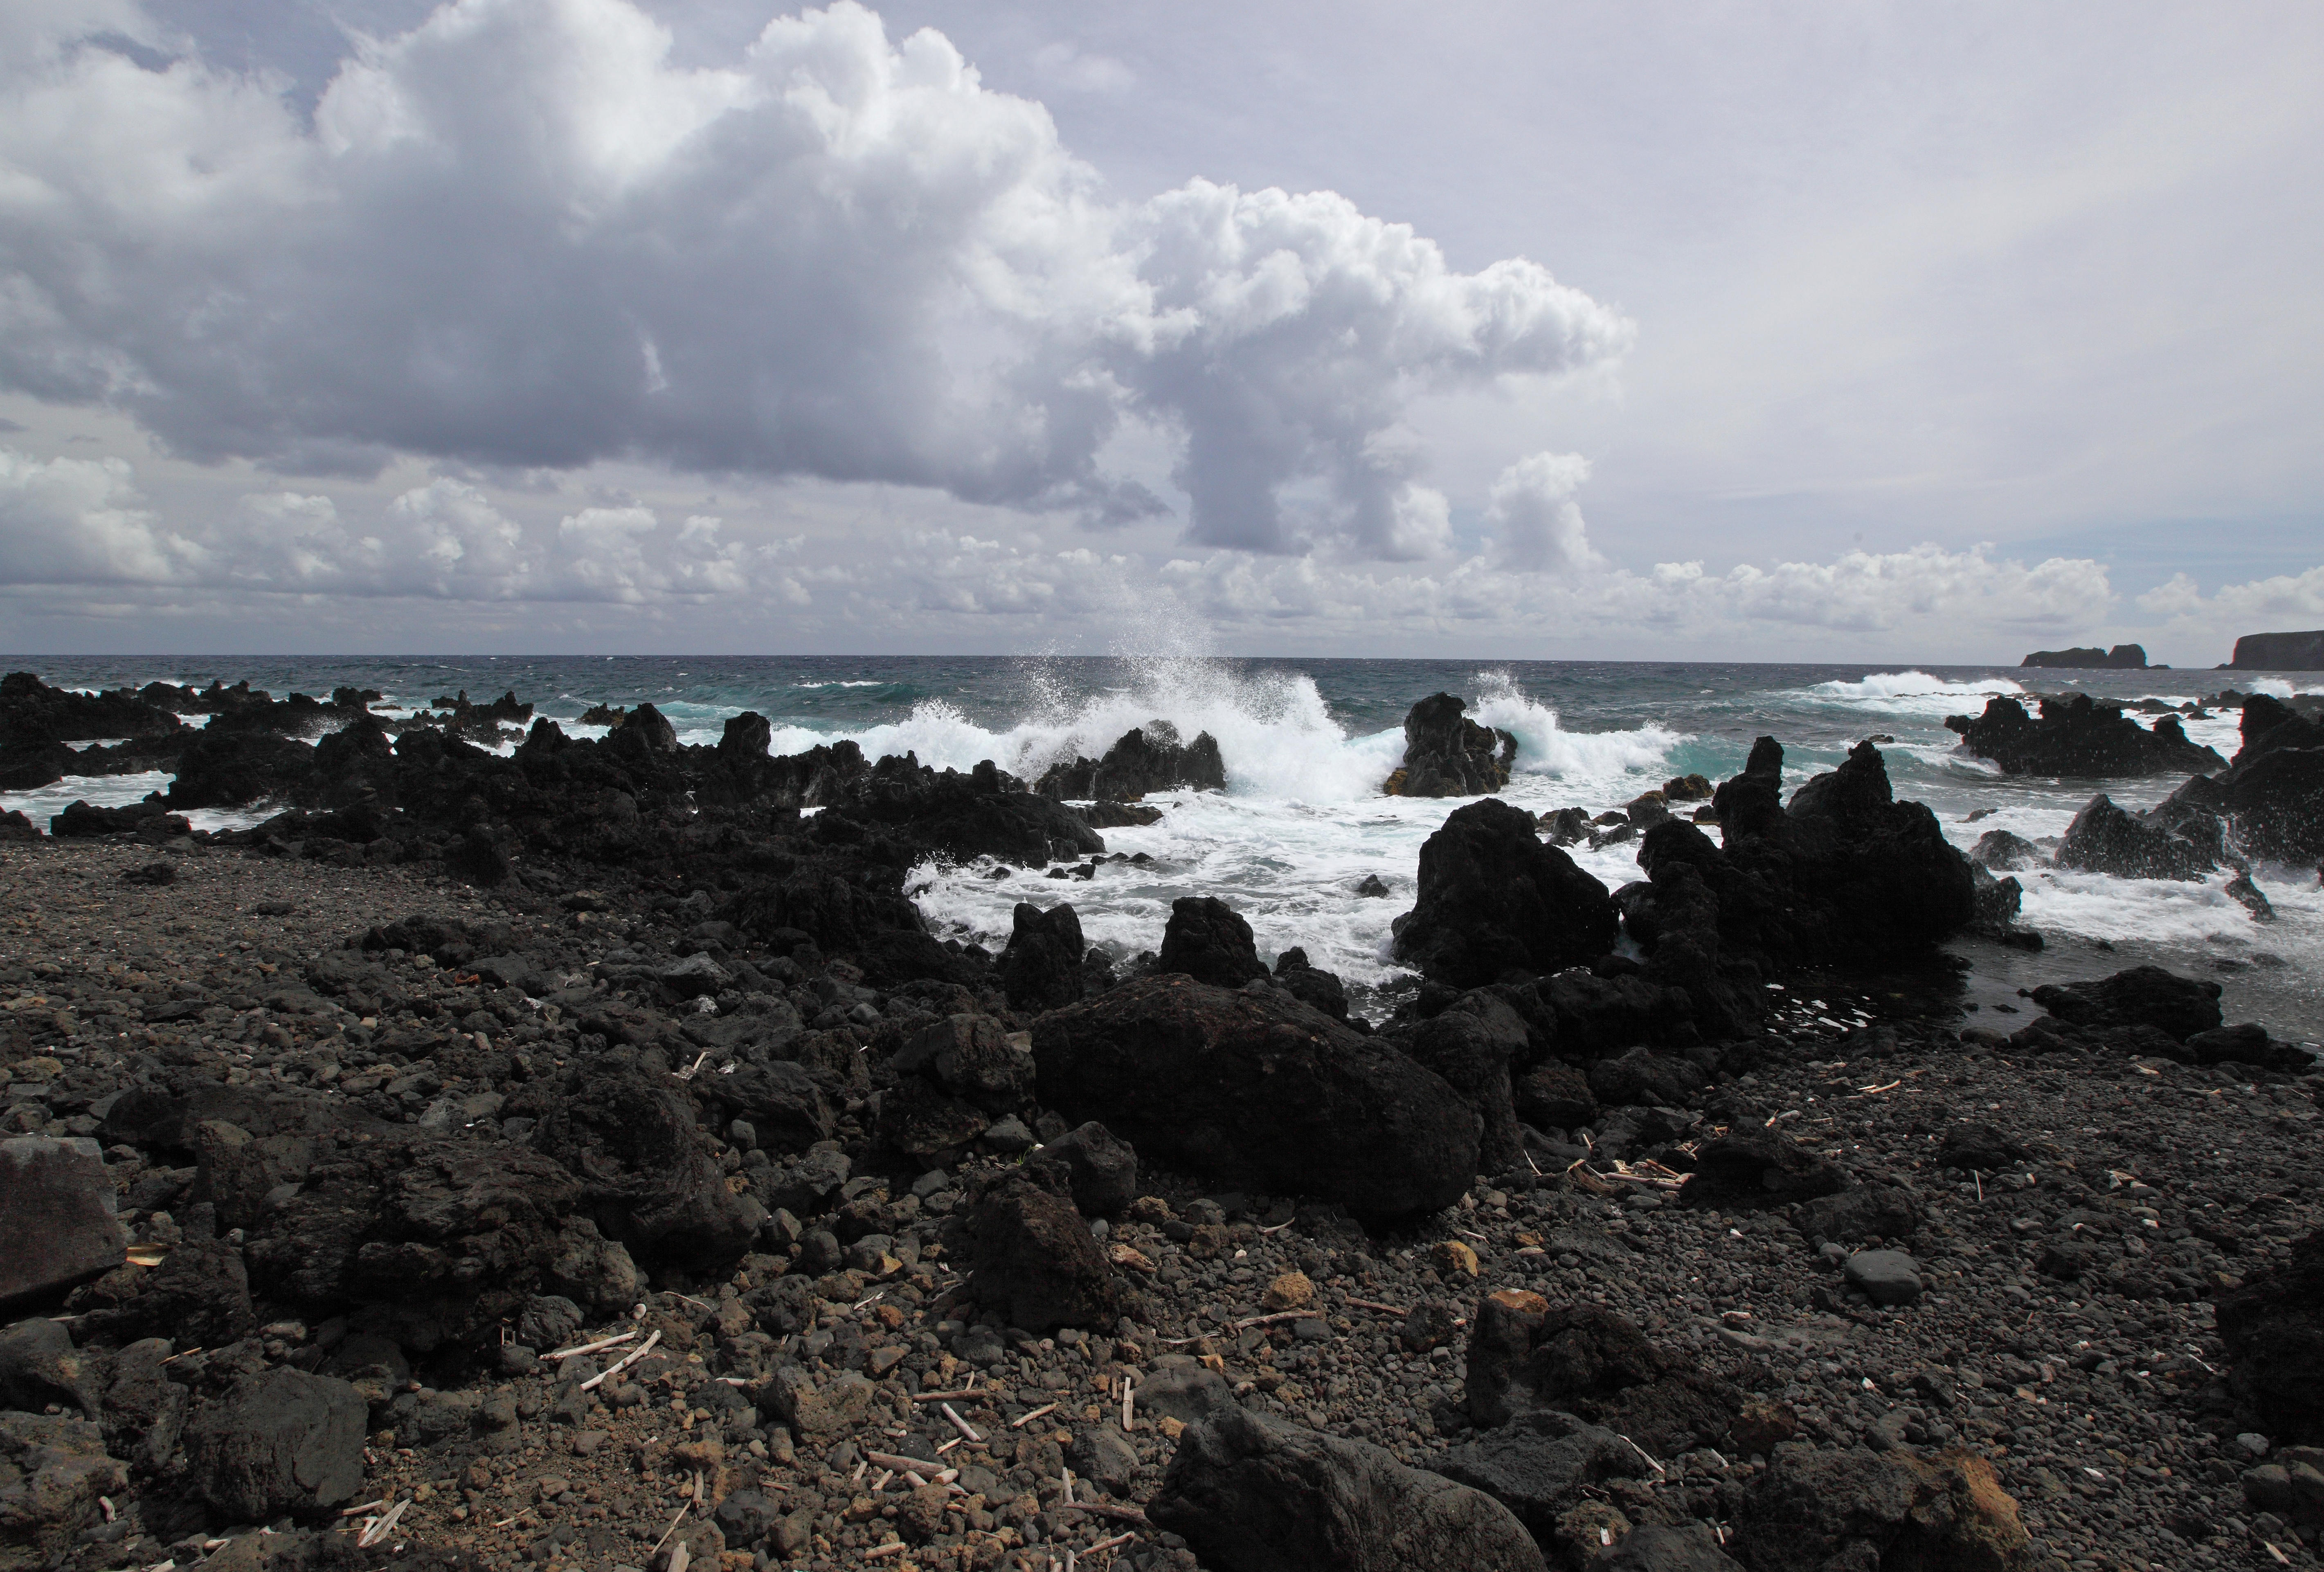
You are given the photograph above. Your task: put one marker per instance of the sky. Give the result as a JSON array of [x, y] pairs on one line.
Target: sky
[[1711, 331]]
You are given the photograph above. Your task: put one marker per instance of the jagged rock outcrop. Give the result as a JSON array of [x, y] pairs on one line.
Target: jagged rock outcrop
[[1149, 758], [1209, 941], [1494, 900], [2271, 798], [33, 712], [2104, 838], [2079, 737], [1447, 755], [1041, 969]]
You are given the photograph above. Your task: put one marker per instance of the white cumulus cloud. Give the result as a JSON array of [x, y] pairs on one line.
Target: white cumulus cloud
[[518, 235], [1536, 522], [83, 521]]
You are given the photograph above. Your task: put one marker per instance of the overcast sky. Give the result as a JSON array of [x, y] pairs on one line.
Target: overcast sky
[[1699, 331]]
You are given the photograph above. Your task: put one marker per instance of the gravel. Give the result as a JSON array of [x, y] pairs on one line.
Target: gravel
[[2062, 1325]]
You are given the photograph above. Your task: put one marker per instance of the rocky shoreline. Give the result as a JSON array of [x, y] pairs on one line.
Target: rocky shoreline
[[583, 1160]]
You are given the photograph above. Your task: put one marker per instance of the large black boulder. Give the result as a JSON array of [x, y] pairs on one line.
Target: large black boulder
[[1494, 900], [1101, 1168], [961, 817], [1677, 917], [1527, 1355], [2273, 1328], [1759, 1168], [784, 1106], [1447, 755], [280, 1441], [231, 769], [1312, 985], [1209, 941], [1251, 1086], [1036, 1263], [2179, 1007], [649, 1178], [2104, 838], [1254, 1493], [1544, 1463], [1041, 969], [1477, 1044], [1852, 1510], [1845, 875], [429, 1238], [198, 1295], [1894, 885], [2079, 736]]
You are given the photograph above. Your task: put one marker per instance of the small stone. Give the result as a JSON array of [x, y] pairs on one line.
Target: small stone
[[586, 1443], [1291, 1291], [1452, 1257], [1008, 1134], [1885, 1276]]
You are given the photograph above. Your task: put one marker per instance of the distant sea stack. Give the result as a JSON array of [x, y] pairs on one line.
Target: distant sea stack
[[2279, 653], [2121, 658]]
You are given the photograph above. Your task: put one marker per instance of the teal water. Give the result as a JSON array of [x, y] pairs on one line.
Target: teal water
[[1307, 743]]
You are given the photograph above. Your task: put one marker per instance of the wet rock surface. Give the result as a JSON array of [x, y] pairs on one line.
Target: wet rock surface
[[1150, 758], [1447, 755], [2079, 736]]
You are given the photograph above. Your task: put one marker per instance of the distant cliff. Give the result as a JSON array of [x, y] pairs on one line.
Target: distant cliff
[[2279, 653], [2121, 658]]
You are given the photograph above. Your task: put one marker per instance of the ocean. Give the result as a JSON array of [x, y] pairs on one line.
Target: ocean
[[1307, 744]]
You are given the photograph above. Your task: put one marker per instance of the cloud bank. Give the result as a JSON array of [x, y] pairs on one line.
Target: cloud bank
[[78, 525], [518, 235], [81, 523]]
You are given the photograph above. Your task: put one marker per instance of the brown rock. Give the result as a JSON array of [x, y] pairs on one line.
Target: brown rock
[[921, 1518], [1454, 1259], [1290, 1291], [1762, 1426]]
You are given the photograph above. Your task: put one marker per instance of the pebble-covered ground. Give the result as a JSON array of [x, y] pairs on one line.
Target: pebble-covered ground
[[2063, 1328]]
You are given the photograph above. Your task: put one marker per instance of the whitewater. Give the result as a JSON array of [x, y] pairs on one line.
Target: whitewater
[[1307, 744]]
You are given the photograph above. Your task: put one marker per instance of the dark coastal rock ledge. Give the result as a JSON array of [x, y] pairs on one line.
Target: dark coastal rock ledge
[[2264, 806], [2121, 658], [2279, 653], [330, 1147]]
